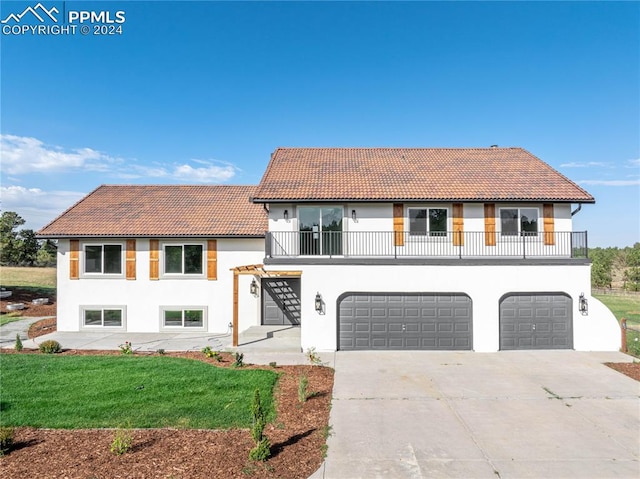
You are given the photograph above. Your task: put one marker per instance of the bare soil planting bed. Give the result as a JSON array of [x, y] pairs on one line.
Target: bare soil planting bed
[[297, 435], [30, 310]]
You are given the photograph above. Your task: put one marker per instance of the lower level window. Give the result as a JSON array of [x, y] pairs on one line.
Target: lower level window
[[183, 318], [103, 317]]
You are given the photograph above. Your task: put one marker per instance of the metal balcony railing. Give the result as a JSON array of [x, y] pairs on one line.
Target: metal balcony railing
[[449, 244]]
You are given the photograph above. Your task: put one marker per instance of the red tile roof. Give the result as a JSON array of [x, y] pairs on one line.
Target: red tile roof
[[414, 174], [162, 211]]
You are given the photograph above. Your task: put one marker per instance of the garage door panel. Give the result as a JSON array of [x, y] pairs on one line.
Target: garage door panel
[[405, 321], [536, 321]]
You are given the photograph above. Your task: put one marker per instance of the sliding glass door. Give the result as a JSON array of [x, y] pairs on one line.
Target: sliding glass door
[[320, 230]]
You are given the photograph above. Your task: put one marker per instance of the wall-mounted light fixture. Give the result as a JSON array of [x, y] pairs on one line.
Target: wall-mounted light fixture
[[353, 215], [253, 287], [583, 305], [286, 215], [318, 303]]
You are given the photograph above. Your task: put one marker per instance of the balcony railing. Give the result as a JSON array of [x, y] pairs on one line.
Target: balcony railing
[[450, 244]]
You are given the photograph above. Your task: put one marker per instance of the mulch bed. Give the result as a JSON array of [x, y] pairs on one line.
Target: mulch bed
[[298, 438], [629, 369], [30, 309]]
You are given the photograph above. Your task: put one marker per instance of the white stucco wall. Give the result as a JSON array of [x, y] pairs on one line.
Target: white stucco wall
[[143, 297], [485, 284]]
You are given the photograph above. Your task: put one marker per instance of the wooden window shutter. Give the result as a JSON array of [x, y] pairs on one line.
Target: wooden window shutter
[[490, 224], [74, 259], [212, 259], [398, 224], [549, 235], [154, 259], [458, 225], [130, 262]]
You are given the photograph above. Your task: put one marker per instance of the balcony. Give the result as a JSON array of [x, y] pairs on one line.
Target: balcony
[[437, 245]]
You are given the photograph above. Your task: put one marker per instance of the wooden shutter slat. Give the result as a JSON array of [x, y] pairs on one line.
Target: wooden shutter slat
[[212, 259], [154, 259], [74, 259], [490, 224], [398, 224], [458, 225], [130, 262], [549, 226]]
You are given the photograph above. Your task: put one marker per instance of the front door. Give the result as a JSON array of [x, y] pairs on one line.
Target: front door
[[281, 301], [320, 230]]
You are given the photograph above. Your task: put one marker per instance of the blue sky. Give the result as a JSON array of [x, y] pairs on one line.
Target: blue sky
[[203, 92]]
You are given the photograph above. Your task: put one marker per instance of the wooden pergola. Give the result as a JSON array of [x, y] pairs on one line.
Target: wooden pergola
[[255, 270]]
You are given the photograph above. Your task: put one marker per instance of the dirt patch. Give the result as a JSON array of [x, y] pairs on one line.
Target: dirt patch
[[298, 438], [629, 369], [42, 327], [30, 310]]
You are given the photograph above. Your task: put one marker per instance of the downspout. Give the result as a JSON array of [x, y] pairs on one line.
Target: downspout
[[577, 210]]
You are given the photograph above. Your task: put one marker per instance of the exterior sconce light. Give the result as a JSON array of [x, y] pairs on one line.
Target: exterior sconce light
[[286, 215], [253, 287], [353, 215], [583, 306], [318, 303]]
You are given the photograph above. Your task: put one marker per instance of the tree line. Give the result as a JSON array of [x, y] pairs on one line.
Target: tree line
[[21, 247], [616, 264]]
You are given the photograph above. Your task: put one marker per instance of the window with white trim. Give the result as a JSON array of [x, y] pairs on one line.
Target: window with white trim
[[183, 259], [102, 317], [428, 221], [519, 221], [103, 259], [183, 317]]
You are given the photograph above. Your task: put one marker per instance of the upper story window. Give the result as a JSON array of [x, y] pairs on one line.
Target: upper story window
[[183, 259], [519, 221], [428, 221], [103, 259]]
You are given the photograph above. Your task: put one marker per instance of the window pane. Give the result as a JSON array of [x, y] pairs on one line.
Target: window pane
[[92, 317], [193, 318], [193, 259], [93, 259], [173, 318], [113, 259], [529, 221], [437, 222], [417, 222], [113, 317], [509, 222], [173, 259]]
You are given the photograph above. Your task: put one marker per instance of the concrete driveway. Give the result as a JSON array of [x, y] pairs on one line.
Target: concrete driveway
[[525, 414]]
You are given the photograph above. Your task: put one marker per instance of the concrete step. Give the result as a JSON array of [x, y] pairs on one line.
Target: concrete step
[[264, 332]]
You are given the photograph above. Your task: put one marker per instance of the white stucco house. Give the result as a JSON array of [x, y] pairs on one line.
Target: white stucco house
[[360, 248]]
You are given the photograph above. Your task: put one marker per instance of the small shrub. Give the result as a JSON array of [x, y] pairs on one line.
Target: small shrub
[[50, 347], [314, 358], [238, 360], [18, 345], [210, 353], [126, 348], [263, 446], [303, 385], [6, 439], [161, 352], [122, 441], [273, 364]]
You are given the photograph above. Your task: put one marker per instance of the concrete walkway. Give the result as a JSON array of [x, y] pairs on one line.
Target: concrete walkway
[[8, 331], [525, 414]]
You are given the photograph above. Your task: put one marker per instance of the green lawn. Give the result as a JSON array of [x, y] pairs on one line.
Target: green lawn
[[622, 306], [41, 280], [53, 391]]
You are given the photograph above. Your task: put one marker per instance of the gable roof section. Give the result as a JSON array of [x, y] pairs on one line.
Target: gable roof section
[[162, 211], [413, 174]]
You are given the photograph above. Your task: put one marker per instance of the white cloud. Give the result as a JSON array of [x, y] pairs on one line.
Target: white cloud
[[610, 182], [36, 206], [586, 164], [22, 154], [207, 174], [633, 163]]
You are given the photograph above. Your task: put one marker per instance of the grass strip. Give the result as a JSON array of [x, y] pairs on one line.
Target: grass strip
[[68, 392]]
